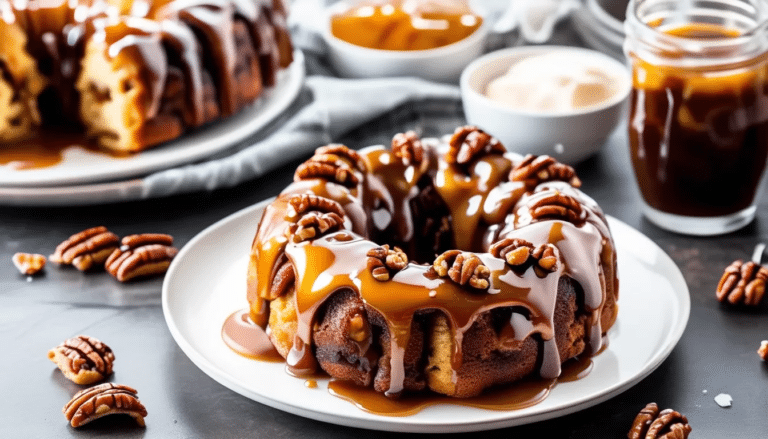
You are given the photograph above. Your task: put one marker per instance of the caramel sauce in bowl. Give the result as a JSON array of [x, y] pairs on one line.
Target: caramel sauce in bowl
[[407, 48]]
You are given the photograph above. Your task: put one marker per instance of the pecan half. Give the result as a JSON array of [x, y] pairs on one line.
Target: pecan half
[[314, 225], [83, 359], [29, 263], [304, 203], [556, 206], [651, 423], [102, 400], [464, 268], [742, 283], [408, 147], [534, 170], [469, 143], [283, 279], [329, 167], [349, 155], [87, 249], [520, 254], [384, 263], [147, 254], [517, 252], [762, 351]]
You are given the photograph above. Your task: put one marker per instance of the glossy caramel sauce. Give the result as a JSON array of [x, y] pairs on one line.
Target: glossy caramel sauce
[[248, 339], [516, 396], [699, 136], [387, 26], [47, 149]]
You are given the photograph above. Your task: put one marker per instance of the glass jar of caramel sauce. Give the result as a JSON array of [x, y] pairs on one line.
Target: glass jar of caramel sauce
[[698, 122], [405, 25]]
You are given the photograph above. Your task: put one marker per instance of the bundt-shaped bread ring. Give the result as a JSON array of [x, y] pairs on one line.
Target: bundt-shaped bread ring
[[135, 73], [434, 265]]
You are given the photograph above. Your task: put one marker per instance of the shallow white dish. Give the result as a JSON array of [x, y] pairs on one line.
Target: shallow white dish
[[206, 283], [442, 64], [569, 136], [80, 166]]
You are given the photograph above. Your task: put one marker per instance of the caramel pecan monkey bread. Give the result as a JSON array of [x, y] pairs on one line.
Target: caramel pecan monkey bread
[[449, 266], [135, 73]]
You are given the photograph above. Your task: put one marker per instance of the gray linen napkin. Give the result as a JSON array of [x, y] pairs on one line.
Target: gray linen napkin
[[338, 106]]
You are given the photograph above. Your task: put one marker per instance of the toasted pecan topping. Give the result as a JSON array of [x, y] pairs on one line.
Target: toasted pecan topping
[[517, 252], [304, 203], [384, 263], [102, 400], [328, 167], [521, 254], [29, 263], [469, 143], [314, 225], [742, 283], [83, 359], [651, 423], [408, 147], [351, 156], [534, 170], [556, 206], [464, 268], [87, 249]]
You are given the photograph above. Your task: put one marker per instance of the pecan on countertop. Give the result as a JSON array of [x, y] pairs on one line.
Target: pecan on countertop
[[651, 423], [105, 399], [142, 255], [83, 359], [86, 250], [742, 283], [29, 263]]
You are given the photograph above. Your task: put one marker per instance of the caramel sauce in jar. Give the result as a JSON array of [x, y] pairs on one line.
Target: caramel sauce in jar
[[698, 124], [389, 26]]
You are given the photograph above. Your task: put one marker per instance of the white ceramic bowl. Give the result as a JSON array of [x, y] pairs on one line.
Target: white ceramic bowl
[[443, 64], [569, 136]]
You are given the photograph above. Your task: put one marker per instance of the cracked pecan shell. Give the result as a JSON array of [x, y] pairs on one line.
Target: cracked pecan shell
[[87, 249], [408, 147], [103, 400], [384, 262], [742, 283], [83, 359], [651, 423], [534, 170], [464, 268], [142, 255], [469, 143]]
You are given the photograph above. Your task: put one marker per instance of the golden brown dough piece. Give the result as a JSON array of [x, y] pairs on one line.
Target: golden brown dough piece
[[20, 84]]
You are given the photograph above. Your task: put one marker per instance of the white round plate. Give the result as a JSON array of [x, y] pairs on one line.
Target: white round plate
[[80, 166], [206, 283]]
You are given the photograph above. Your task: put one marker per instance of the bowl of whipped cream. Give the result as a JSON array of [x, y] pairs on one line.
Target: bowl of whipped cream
[[547, 100]]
